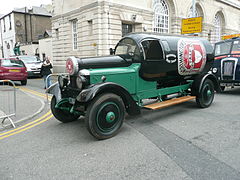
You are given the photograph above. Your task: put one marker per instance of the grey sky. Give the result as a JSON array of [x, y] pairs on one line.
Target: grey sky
[[8, 5]]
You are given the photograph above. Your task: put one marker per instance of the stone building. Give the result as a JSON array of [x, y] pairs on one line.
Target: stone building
[[90, 27], [24, 25]]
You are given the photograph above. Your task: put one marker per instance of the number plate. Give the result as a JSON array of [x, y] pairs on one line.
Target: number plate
[[14, 70]]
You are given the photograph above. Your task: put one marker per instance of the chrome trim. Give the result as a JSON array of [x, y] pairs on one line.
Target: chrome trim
[[84, 72], [235, 65]]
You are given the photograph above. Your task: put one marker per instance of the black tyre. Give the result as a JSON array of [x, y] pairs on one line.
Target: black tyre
[[61, 115], [206, 95], [24, 82], [105, 116]]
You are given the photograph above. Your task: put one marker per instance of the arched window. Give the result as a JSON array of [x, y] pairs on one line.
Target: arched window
[[190, 13], [161, 16], [217, 31]]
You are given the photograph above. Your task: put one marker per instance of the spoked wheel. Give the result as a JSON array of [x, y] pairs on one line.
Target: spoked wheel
[[62, 115], [206, 95], [105, 116]]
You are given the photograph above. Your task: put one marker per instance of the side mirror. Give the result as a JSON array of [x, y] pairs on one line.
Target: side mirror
[[111, 51]]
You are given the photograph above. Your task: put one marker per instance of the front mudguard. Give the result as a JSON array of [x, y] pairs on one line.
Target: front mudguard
[[89, 94], [199, 80], [54, 89]]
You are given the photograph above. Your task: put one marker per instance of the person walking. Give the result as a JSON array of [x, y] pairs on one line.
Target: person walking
[[45, 71]]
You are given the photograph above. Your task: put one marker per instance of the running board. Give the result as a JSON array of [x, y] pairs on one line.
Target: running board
[[170, 102]]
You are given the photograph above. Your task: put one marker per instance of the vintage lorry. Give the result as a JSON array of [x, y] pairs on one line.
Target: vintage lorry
[[227, 62], [169, 69]]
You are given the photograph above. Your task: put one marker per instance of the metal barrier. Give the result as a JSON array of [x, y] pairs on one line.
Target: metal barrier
[[7, 101]]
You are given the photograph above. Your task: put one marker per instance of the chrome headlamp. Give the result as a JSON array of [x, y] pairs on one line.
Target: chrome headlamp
[[214, 70]]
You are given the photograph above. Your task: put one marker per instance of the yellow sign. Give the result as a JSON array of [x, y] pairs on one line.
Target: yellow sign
[[192, 25], [230, 36]]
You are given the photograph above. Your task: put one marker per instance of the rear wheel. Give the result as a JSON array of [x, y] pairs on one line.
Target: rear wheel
[[24, 82], [62, 115], [105, 116], [206, 95]]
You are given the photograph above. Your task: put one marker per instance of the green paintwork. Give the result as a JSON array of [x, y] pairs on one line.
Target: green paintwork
[[110, 117], [128, 77], [60, 105]]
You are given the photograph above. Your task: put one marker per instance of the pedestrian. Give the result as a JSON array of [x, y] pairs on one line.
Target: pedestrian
[[45, 71]]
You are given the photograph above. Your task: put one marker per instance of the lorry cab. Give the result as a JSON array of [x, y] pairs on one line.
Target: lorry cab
[[227, 62], [167, 69]]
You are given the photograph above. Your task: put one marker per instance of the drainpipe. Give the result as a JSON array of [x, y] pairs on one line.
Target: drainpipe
[[25, 18], [1, 38]]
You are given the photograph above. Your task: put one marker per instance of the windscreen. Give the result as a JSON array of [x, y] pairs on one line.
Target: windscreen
[[12, 63], [222, 48], [128, 48], [236, 47], [30, 59]]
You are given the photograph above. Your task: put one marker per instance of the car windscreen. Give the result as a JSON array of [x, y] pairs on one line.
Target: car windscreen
[[222, 48], [236, 47], [128, 47], [30, 59], [12, 63]]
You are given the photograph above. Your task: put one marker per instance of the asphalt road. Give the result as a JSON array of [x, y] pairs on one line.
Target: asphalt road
[[179, 142]]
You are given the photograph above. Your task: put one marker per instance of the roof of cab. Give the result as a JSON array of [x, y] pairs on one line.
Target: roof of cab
[[170, 38]]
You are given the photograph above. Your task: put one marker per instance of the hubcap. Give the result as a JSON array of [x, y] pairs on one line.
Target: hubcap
[[110, 117], [209, 92]]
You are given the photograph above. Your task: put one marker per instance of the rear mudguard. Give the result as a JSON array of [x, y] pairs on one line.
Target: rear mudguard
[[199, 80], [89, 94]]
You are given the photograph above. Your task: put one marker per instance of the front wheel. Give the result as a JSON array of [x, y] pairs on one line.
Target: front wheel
[[206, 95], [105, 116], [62, 115]]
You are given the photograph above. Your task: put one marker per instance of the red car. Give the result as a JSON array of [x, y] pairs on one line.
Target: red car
[[13, 69]]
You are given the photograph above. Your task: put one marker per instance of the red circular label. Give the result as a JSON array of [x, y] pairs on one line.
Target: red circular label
[[69, 66]]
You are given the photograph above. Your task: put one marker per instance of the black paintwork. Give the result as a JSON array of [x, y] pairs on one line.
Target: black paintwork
[[227, 57]]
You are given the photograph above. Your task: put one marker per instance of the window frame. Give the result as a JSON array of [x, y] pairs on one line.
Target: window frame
[[74, 34]]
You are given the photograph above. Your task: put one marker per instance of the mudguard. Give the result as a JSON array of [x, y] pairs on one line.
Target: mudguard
[[86, 95], [198, 82], [55, 90]]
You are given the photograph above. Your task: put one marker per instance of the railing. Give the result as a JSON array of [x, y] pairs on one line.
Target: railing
[[7, 101]]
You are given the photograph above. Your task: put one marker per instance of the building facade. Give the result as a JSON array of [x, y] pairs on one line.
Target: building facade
[[24, 26], [90, 27]]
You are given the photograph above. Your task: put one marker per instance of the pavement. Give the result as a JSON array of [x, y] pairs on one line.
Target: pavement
[[27, 106]]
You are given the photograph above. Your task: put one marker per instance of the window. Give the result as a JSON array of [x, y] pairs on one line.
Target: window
[[193, 14], [4, 25], [223, 48], [217, 32], [126, 28], [57, 33], [90, 27], [12, 63], [10, 22], [152, 50], [161, 16], [74, 34], [127, 48], [236, 47]]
